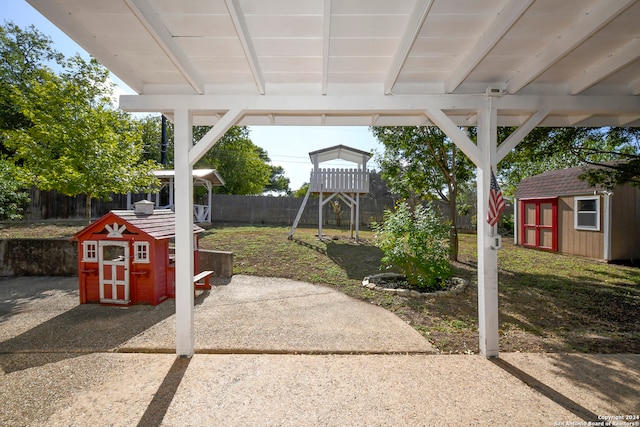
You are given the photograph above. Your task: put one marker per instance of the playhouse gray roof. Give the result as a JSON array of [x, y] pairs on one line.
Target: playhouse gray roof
[[563, 182], [161, 224]]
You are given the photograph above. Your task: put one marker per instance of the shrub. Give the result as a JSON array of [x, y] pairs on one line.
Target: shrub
[[417, 243]]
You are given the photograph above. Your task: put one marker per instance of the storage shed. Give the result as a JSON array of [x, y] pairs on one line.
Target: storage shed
[[559, 212], [125, 258]]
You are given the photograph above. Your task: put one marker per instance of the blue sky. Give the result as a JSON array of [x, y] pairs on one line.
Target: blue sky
[[288, 147]]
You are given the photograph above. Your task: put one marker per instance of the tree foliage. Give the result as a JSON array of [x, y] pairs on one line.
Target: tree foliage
[[423, 163], [415, 241], [238, 160], [244, 166], [614, 151], [62, 131], [12, 198]]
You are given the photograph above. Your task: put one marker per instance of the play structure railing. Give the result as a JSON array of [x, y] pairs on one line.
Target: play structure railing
[[339, 180]]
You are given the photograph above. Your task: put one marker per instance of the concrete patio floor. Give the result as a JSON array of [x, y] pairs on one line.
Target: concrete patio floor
[[278, 352]]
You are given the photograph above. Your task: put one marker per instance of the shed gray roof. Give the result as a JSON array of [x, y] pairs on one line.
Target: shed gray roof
[[161, 224], [563, 182]]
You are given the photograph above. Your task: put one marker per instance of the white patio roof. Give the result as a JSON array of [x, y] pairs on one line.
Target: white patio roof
[[368, 62]]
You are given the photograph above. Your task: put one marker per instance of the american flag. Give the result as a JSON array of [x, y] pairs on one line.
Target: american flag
[[496, 202]]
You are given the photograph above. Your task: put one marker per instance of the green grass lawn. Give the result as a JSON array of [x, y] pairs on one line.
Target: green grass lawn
[[548, 302]]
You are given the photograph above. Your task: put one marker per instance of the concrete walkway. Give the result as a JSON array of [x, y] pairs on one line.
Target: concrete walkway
[[65, 364]]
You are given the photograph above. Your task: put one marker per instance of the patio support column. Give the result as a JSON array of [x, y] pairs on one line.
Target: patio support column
[[184, 233], [487, 256]]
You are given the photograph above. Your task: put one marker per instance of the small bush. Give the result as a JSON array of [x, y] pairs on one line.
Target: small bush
[[417, 243]]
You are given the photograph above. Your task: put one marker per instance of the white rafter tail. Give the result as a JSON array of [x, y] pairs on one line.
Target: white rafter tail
[[409, 37], [151, 21], [512, 141], [603, 13], [627, 120], [614, 62], [440, 119], [215, 133], [490, 38], [576, 119], [326, 44], [235, 12]]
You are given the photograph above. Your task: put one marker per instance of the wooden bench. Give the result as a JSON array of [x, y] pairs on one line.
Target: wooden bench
[[204, 277]]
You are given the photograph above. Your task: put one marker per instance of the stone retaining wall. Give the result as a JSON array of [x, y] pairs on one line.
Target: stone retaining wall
[[59, 257], [38, 257]]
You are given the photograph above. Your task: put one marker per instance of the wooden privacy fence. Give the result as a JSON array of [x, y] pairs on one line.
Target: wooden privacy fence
[[225, 208]]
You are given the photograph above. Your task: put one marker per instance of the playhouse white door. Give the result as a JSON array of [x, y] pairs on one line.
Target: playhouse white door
[[114, 272]]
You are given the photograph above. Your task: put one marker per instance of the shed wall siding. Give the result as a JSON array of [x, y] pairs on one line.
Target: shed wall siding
[[625, 223], [577, 242]]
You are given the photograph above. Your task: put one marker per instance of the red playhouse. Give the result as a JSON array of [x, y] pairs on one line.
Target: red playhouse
[[124, 257]]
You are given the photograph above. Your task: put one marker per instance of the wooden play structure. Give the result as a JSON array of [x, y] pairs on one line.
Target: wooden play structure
[[207, 178], [125, 258], [346, 184]]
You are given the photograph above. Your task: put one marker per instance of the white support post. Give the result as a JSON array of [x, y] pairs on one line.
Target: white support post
[[487, 256], [184, 233]]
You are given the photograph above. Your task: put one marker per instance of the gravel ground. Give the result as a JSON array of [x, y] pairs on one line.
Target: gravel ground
[[60, 366]]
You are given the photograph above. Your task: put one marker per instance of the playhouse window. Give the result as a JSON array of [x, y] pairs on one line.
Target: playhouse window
[[587, 213], [90, 251], [141, 252]]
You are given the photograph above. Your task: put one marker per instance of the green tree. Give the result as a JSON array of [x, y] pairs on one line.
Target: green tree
[[616, 161], [423, 163], [415, 241], [24, 55], [238, 160], [613, 150], [70, 139], [12, 198], [300, 192], [243, 165]]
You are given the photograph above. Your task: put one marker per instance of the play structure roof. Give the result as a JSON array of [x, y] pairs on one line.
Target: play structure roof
[[340, 152]]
